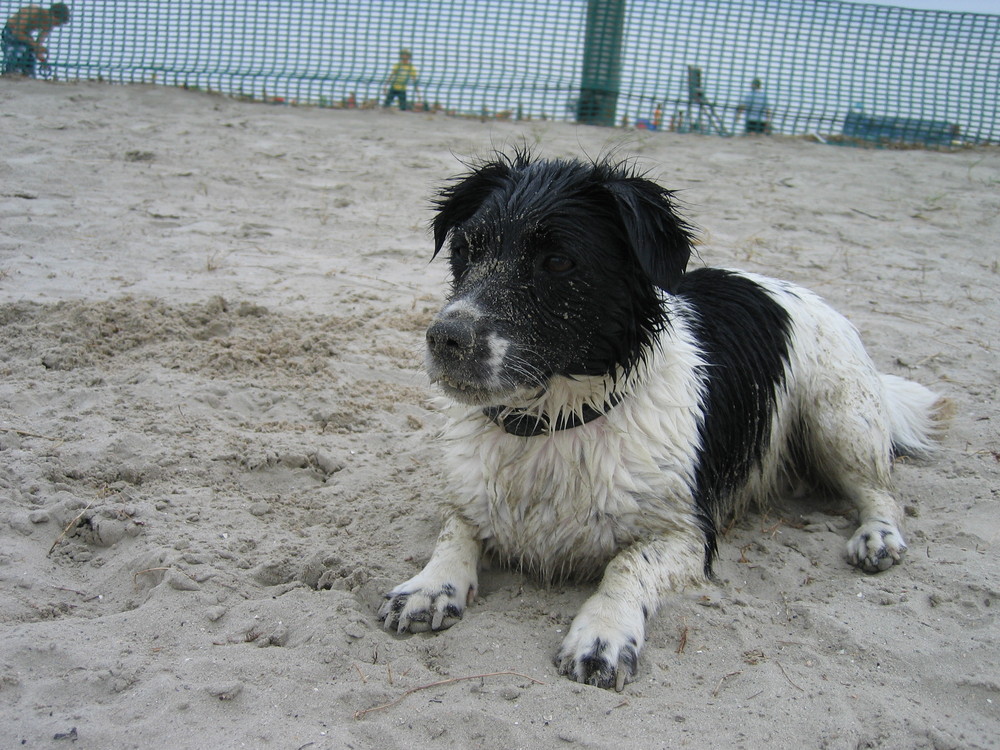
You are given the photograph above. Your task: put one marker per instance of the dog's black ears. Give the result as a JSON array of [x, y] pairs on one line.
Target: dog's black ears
[[660, 239], [458, 202]]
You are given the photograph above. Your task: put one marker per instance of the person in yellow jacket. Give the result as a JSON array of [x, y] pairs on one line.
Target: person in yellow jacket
[[402, 74]]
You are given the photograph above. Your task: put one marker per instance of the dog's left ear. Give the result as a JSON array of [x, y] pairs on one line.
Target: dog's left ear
[[660, 239], [460, 201]]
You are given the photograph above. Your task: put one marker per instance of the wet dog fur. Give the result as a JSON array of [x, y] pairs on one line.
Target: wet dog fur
[[608, 410]]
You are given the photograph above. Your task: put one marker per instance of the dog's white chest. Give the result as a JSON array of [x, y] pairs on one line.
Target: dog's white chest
[[566, 504]]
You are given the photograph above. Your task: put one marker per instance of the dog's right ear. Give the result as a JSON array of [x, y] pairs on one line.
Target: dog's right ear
[[661, 240], [459, 202]]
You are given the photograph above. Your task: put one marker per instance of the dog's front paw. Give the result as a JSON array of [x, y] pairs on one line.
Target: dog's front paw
[[423, 603], [602, 649], [875, 546]]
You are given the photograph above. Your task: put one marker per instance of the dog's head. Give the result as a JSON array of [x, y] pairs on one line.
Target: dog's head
[[557, 268]]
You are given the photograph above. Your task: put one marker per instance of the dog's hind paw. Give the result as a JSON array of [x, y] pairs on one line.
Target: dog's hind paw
[[876, 546], [420, 605]]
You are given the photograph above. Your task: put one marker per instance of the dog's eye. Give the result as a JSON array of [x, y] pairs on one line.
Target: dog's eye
[[460, 250], [558, 264]]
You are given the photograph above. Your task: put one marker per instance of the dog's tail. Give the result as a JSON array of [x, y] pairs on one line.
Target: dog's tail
[[917, 416]]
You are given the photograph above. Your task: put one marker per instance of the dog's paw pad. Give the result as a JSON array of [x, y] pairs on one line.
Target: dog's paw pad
[[600, 662], [876, 546], [416, 608]]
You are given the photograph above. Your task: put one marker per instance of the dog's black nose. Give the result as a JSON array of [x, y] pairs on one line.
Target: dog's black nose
[[451, 336]]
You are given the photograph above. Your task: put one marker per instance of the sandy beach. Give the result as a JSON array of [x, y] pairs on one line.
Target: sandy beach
[[217, 448]]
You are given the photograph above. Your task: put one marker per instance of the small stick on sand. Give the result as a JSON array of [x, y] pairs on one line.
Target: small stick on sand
[[725, 677], [788, 678], [365, 711], [70, 525], [25, 433]]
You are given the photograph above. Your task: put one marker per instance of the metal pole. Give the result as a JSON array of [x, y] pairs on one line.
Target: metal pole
[[602, 65]]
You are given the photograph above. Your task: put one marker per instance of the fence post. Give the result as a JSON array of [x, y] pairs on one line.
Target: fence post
[[602, 66]]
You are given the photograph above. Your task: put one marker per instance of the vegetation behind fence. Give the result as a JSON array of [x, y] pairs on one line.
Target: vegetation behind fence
[[840, 70]]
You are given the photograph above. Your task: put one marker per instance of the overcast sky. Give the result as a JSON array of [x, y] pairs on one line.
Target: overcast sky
[[965, 6]]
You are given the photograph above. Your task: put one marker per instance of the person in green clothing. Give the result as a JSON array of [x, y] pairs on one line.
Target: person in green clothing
[[402, 74], [21, 50]]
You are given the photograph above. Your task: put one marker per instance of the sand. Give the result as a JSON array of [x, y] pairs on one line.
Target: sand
[[217, 449]]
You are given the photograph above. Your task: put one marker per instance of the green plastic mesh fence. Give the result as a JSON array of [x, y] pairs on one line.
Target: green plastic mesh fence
[[842, 71]]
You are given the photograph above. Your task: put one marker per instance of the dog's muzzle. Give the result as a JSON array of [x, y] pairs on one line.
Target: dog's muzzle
[[465, 353]]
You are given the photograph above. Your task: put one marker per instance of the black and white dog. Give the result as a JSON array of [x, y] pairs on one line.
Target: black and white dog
[[609, 412]]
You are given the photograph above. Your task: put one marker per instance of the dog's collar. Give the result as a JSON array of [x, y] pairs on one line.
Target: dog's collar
[[524, 423]]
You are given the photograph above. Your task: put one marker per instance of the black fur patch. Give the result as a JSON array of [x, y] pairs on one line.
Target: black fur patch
[[744, 335]]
